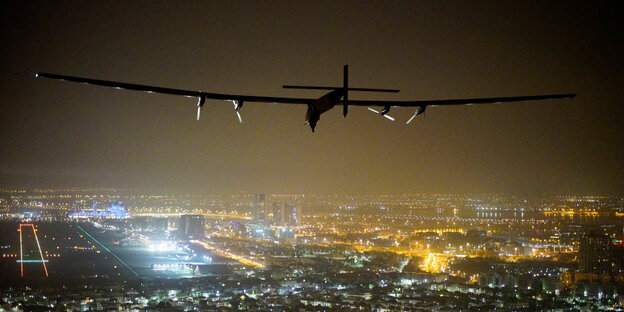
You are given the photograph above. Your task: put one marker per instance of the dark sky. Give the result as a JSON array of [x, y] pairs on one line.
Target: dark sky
[[56, 134]]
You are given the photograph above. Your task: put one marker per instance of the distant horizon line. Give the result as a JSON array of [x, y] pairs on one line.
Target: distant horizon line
[[230, 193]]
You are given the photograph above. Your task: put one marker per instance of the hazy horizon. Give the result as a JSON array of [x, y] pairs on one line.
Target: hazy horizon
[[58, 134]]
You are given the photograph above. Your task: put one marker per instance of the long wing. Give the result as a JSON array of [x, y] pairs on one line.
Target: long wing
[[460, 101], [171, 91], [285, 100]]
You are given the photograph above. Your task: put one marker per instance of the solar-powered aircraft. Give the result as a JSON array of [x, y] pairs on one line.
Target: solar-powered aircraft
[[315, 106]]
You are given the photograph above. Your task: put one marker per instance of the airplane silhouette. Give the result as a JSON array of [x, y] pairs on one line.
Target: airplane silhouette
[[315, 106]]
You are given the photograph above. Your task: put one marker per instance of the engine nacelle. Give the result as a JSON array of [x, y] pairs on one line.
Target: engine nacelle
[[238, 105], [421, 109]]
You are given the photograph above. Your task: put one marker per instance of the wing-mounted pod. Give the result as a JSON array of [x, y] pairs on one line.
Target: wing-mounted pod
[[238, 104], [200, 103], [383, 112], [419, 110]]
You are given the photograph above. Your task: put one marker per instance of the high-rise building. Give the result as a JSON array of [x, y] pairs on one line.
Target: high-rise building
[[285, 214], [191, 226], [278, 213], [259, 208], [294, 214], [618, 257], [595, 253]]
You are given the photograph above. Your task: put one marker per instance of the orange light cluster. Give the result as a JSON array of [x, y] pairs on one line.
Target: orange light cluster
[[38, 246]]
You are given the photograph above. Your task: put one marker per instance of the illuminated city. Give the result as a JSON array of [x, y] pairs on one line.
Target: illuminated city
[[263, 251], [328, 155]]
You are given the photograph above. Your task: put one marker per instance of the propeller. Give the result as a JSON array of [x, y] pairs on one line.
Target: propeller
[[411, 118], [200, 102], [237, 106], [383, 112]]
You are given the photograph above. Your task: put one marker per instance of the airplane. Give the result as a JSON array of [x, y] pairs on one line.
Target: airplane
[[315, 107]]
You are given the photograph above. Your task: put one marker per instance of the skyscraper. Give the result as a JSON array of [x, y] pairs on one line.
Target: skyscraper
[[285, 214], [618, 257], [279, 213], [595, 253], [191, 226], [259, 208], [294, 214]]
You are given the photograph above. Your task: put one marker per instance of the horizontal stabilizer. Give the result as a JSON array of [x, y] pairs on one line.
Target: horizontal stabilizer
[[336, 88]]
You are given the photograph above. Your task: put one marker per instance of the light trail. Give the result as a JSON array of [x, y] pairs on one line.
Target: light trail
[[43, 261], [21, 253], [435, 263], [230, 255], [207, 215], [109, 251], [40, 252], [430, 261]]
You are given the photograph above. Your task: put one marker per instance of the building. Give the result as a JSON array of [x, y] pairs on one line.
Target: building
[[294, 214], [259, 208], [278, 213], [114, 211], [595, 253], [191, 226], [285, 214], [618, 257]]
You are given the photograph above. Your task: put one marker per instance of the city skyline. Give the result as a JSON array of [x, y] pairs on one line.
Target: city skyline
[[65, 135], [103, 249]]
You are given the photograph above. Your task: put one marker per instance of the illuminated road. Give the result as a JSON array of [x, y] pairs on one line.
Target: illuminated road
[[206, 215], [229, 255]]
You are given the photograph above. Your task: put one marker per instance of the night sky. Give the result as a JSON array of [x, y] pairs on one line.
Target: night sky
[[61, 134]]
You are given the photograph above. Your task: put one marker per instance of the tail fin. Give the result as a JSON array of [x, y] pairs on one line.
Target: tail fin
[[345, 96]]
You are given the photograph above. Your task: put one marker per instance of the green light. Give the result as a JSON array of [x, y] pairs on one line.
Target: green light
[[109, 251]]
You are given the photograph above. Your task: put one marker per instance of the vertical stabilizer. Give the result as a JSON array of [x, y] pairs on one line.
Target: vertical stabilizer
[[345, 107]]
